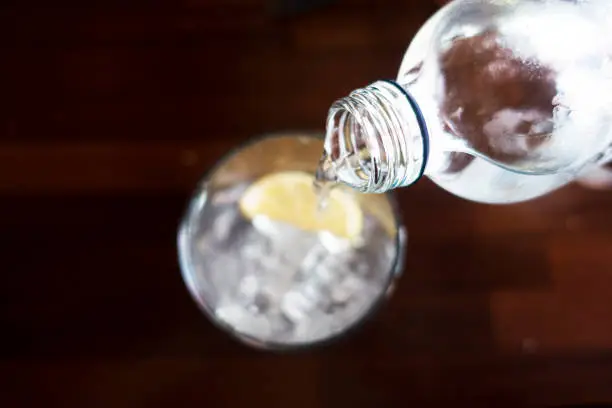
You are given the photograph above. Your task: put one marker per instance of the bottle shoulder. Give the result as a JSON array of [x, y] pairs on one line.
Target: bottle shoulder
[[508, 95]]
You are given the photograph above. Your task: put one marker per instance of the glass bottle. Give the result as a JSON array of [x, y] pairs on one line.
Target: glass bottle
[[496, 101]]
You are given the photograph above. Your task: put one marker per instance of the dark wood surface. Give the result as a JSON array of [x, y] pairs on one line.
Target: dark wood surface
[[110, 112]]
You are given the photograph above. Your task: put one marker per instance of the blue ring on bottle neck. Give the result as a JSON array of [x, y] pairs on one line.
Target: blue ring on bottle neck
[[422, 126]]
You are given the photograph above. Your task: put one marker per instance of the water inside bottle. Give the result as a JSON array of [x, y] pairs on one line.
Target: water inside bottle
[[511, 114]]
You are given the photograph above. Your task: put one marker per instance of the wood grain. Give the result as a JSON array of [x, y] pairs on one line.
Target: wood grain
[[111, 111]]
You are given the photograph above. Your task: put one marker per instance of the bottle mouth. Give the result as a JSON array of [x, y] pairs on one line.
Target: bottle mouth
[[349, 153], [374, 139]]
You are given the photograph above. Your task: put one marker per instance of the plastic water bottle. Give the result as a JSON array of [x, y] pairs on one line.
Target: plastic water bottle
[[496, 101]]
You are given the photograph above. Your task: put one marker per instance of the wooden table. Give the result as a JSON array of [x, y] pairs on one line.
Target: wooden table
[[110, 113]]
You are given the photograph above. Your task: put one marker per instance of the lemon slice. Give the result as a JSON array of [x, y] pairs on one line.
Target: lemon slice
[[289, 197]]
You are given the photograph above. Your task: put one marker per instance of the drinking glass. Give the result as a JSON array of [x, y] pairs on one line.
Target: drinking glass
[[270, 284]]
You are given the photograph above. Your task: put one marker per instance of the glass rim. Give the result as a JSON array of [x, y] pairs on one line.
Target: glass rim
[[194, 205]]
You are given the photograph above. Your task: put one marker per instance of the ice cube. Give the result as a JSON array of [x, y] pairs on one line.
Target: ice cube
[[244, 322], [317, 326], [253, 246], [273, 229], [317, 292], [224, 223], [228, 196], [288, 242], [341, 294], [313, 257], [206, 243], [333, 243], [222, 272], [249, 286], [338, 264], [350, 286], [232, 314], [324, 274], [262, 301], [295, 306], [280, 325]]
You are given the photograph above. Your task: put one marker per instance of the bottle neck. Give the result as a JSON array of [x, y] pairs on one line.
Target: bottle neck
[[376, 139]]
